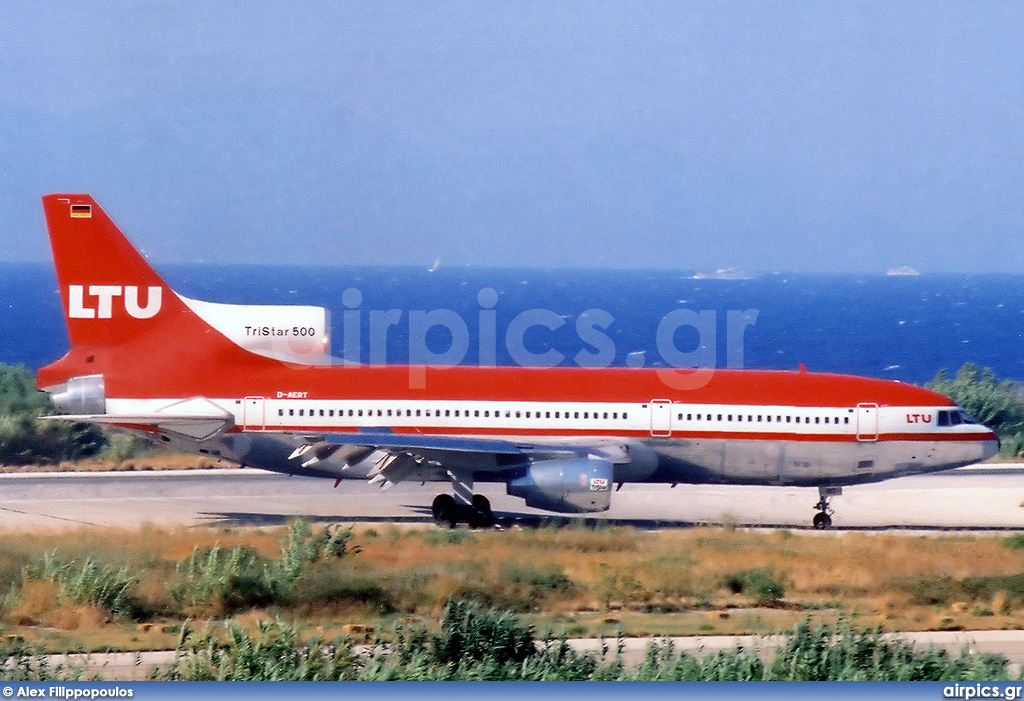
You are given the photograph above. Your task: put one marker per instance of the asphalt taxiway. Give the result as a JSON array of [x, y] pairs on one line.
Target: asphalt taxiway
[[984, 497]]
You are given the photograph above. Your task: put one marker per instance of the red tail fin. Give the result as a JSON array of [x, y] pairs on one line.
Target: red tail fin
[[121, 316], [111, 294]]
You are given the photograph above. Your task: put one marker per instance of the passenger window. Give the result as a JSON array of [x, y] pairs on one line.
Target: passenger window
[[291, 412], [280, 412]]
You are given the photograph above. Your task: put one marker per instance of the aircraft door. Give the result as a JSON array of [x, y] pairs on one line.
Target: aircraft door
[[661, 417], [253, 414], [867, 422]]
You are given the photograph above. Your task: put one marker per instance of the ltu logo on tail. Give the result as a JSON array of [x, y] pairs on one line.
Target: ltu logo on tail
[[103, 307]]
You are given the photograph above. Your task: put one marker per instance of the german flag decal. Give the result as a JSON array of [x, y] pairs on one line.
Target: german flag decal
[[81, 211]]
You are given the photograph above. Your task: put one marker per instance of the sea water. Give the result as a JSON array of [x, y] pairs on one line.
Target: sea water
[[905, 328]]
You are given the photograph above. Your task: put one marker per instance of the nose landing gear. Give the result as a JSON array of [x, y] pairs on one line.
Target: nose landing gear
[[823, 519]]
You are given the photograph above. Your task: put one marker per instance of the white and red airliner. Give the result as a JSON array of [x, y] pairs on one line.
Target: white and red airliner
[[195, 376]]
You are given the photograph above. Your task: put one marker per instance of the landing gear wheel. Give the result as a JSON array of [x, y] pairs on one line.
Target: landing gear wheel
[[445, 510], [482, 516], [449, 512], [823, 519]]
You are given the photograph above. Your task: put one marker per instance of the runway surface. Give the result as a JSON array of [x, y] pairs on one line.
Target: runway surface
[[985, 497]]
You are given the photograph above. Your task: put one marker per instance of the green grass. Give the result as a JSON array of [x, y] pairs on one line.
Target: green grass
[[474, 643]]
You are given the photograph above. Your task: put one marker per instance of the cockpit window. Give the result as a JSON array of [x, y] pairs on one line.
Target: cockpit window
[[954, 417]]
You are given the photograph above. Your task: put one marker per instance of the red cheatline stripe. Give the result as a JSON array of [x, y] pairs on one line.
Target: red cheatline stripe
[[576, 433]]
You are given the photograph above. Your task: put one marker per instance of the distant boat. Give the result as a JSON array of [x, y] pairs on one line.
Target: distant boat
[[902, 271], [725, 274]]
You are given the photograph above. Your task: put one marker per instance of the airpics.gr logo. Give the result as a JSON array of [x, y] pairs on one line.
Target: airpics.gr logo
[[102, 302]]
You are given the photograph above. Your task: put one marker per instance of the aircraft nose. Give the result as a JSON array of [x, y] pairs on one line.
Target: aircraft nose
[[992, 446]]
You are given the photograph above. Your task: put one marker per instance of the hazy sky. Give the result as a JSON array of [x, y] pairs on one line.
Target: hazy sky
[[808, 136]]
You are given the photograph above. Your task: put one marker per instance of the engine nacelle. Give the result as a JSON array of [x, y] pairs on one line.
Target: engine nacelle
[[79, 395], [568, 486]]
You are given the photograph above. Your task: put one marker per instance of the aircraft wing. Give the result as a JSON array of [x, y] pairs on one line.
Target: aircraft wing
[[401, 456]]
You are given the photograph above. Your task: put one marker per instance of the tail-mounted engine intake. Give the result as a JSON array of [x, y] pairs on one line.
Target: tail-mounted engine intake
[[80, 395], [568, 486]]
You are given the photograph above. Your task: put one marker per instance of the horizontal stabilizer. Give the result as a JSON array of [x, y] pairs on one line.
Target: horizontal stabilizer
[[197, 418], [198, 427]]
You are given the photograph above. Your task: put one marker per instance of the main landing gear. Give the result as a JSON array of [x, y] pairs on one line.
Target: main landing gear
[[447, 511], [823, 519]]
